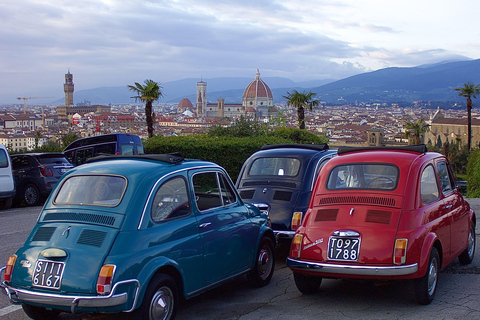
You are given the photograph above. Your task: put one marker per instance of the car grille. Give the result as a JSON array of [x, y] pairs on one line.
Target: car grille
[[43, 234], [91, 237], [282, 195], [378, 216], [358, 200], [326, 215], [83, 217], [247, 194], [270, 183]]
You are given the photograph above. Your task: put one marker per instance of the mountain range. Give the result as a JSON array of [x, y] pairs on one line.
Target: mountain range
[[434, 82]]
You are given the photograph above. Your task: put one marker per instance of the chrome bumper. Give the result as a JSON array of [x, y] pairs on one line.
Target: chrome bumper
[[283, 234], [73, 301], [380, 271]]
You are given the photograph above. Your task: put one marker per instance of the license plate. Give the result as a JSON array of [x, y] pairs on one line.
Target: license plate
[[48, 274], [344, 249]]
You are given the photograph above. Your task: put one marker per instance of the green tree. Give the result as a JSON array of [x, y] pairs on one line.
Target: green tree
[[468, 91], [300, 101], [68, 138], [149, 92], [414, 130], [38, 135]]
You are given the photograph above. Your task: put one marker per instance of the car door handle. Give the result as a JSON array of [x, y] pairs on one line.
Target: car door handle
[[448, 206], [204, 225]]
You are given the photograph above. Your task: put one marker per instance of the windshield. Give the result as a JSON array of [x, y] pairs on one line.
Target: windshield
[[275, 167], [363, 176], [94, 190]]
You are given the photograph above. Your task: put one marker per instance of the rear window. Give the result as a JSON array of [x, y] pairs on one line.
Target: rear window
[[93, 190], [375, 176], [52, 160], [275, 167], [3, 159]]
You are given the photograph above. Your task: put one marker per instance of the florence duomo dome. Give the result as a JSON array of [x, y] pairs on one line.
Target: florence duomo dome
[[258, 96]]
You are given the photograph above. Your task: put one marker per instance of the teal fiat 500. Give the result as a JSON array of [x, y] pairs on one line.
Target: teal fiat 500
[[134, 234]]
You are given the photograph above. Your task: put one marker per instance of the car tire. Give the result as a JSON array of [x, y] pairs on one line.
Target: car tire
[[262, 272], [307, 284], [31, 195], [426, 286], [162, 288], [5, 203], [39, 313], [466, 257]]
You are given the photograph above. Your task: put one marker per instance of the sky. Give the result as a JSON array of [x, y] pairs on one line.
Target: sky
[[108, 43]]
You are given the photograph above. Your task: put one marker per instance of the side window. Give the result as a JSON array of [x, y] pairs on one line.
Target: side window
[[105, 149], [171, 200], [446, 180], [428, 185], [207, 193], [3, 159], [19, 162], [228, 195]]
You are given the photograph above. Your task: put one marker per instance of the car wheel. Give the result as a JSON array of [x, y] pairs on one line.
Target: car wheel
[[5, 203], [160, 300], [31, 195], [426, 286], [39, 313], [264, 264], [307, 284], [466, 257]]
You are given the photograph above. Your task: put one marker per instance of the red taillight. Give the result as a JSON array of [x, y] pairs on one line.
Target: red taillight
[[9, 269], [400, 251], [104, 280], [46, 171], [296, 246], [296, 220]]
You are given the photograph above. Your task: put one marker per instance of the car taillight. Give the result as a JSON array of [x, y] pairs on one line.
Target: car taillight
[[46, 171], [9, 269], [104, 281], [296, 220], [296, 246], [400, 252]]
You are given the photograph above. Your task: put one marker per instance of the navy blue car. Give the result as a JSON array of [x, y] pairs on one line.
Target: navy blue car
[[279, 179]]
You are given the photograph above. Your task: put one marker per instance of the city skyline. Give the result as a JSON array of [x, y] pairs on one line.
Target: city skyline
[[113, 43]]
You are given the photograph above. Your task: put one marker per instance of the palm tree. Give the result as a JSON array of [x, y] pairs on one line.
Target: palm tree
[[468, 91], [415, 130], [149, 92], [301, 101]]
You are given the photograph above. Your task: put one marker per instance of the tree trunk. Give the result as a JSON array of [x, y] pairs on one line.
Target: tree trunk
[[301, 117], [148, 115], [469, 123]]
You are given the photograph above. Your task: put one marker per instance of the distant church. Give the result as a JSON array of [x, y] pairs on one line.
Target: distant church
[[257, 102]]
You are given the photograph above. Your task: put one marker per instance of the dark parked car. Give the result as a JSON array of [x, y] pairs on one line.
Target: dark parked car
[[279, 179], [383, 214], [36, 174], [133, 234]]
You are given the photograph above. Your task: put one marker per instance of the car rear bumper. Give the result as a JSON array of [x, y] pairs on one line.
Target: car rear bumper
[[354, 270], [74, 302], [283, 234]]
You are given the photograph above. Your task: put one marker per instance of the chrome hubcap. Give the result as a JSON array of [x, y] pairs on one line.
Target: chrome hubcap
[[161, 306], [264, 263], [432, 277], [471, 242]]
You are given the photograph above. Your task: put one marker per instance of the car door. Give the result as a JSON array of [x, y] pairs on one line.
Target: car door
[[225, 228], [435, 212], [453, 205]]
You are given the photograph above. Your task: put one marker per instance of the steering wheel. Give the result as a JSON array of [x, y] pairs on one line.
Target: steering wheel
[[376, 182]]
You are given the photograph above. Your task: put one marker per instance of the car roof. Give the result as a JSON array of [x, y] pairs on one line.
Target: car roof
[[40, 154], [302, 150]]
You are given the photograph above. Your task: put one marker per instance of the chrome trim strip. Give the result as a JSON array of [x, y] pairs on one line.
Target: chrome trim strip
[[352, 269], [73, 301], [283, 234]]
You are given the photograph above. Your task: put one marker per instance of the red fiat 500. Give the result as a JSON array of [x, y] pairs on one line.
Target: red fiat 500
[[383, 213]]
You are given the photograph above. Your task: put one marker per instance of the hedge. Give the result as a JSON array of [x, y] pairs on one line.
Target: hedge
[[229, 152]]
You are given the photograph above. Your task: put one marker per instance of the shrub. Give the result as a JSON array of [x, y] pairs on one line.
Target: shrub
[[473, 174]]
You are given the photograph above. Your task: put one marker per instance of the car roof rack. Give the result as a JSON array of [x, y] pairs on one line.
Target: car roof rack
[[172, 158], [318, 147], [419, 148]]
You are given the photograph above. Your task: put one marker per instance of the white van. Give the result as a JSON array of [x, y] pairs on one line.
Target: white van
[[7, 186]]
